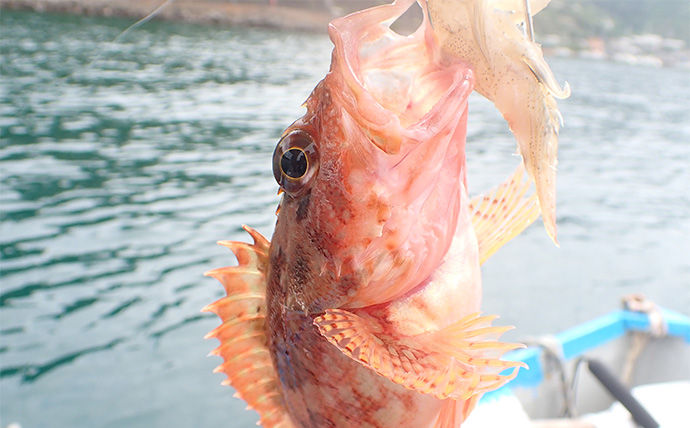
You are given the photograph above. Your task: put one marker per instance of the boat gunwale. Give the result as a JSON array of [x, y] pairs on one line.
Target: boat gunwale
[[577, 340]]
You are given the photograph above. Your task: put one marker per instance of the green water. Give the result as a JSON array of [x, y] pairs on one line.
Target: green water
[[122, 163]]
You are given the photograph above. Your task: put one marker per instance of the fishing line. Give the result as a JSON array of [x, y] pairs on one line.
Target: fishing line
[[142, 21], [126, 31], [529, 25], [100, 55]]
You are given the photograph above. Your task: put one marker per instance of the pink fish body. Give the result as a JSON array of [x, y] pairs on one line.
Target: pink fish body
[[363, 310]]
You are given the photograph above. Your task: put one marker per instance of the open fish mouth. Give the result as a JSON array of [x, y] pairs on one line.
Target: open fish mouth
[[394, 82], [405, 117]]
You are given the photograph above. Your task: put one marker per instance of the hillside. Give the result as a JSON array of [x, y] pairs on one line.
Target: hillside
[[579, 19], [572, 20]]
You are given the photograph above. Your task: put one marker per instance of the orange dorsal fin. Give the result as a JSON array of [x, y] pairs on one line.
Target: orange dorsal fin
[[503, 213], [242, 335], [458, 362]]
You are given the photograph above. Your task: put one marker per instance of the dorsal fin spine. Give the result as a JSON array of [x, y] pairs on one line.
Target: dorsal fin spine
[[244, 342]]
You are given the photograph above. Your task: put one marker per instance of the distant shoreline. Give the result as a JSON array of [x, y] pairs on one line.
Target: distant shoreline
[[201, 12], [314, 15]]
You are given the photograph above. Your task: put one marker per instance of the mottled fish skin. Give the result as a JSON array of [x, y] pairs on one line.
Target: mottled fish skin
[[374, 224], [363, 310], [322, 386]]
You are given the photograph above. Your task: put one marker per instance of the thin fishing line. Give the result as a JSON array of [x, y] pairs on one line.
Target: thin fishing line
[[528, 22], [126, 31], [143, 20]]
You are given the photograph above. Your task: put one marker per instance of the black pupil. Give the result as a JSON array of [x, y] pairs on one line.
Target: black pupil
[[294, 163]]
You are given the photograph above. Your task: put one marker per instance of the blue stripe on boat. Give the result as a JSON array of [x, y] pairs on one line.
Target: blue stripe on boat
[[584, 337]]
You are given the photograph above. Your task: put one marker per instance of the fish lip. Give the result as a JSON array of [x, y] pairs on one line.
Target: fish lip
[[355, 57], [401, 177]]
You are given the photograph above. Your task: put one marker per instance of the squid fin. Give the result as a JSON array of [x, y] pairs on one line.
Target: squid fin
[[457, 362], [502, 214], [242, 335]]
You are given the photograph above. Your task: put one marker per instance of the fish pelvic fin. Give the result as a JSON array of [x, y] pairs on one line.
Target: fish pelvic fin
[[242, 334], [458, 362], [503, 213]]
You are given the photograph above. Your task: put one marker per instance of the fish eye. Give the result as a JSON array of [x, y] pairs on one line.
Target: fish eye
[[295, 162]]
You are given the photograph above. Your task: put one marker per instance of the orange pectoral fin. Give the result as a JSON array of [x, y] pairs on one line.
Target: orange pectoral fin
[[503, 213], [453, 413], [242, 335], [458, 362]]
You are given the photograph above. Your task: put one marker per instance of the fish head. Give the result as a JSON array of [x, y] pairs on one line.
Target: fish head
[[374, 173]]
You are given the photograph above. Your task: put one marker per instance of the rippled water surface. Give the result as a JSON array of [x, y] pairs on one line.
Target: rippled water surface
[[122, 163]]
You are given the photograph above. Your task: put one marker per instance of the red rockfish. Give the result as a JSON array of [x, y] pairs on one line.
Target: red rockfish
[[363, 310]]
